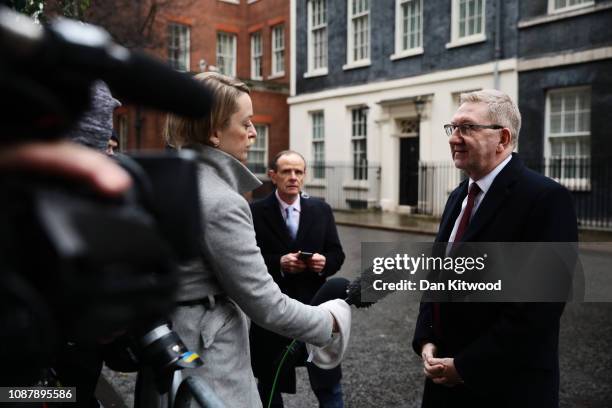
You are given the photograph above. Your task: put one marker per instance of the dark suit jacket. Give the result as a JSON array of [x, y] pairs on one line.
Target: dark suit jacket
[[507, 354], [317, 233]]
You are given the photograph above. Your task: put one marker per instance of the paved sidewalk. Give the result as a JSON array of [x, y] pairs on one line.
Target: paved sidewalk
[[388, 221], [423, 224]]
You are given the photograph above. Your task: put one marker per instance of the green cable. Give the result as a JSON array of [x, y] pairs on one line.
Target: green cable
[[278, 370]]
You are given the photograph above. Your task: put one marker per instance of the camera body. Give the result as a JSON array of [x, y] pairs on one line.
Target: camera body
[[76, 266]]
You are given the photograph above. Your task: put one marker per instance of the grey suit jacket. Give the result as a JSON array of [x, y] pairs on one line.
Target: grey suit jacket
[[232, 264]]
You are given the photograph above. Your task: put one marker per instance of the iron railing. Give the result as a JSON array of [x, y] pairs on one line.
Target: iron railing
[[590, 185], [339, 185], [344, 186]]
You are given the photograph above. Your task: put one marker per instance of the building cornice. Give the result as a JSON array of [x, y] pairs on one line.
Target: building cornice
[[567, 58], [448, 75]]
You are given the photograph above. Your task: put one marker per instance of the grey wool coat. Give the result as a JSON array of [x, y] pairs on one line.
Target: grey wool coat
[[233, 265]]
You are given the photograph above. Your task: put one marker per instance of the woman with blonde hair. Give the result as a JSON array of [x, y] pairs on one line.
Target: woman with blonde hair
[[231, 281]]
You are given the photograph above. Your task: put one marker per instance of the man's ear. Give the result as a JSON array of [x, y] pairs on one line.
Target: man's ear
[[272, 175], [505, 139]]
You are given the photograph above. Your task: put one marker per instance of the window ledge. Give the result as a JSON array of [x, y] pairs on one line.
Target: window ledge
[[357, 64], [361, 185], [316, 73], [277, 75], [472, 39], [561, 15], [317, 183], [231, 1], [260, 78], [406, 53]]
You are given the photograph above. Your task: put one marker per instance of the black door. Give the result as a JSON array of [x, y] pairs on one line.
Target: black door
[[409, 171]]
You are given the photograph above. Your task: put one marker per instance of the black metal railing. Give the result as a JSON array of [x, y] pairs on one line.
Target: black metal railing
[[343, 185], [590, 184], [589, 181]]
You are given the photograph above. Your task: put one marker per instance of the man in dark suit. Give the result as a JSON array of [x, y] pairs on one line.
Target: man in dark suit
[[287, 225], [494, 354]]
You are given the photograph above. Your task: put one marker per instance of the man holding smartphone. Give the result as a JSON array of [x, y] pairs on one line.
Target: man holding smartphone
[[299, 242]]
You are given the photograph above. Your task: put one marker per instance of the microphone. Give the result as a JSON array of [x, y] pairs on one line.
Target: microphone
[[353, 295], [334, 288], [341, 288]]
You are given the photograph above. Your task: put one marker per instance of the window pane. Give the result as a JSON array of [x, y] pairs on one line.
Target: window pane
[[178, 46], [570, 147], [555, 123], [569, 118], [359, 32], [555, 147], [359, 143], [570, 123], [584, 121], [570, 102], [318, 144], [226, 53], [257, 154]]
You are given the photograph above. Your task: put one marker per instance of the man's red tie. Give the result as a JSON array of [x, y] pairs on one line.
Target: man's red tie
[[463, 224], [467, 214]]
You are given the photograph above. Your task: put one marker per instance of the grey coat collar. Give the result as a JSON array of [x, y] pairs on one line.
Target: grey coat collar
[[230, 170]]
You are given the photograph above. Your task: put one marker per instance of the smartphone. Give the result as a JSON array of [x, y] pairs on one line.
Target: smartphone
[[304, 256]]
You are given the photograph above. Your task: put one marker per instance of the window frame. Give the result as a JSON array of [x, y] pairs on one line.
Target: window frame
[[275, 30], [183, 55], [400, 52], [255, 148], [572, 183], [360, 170], [317, 121], [553, 10], [456, 40], [312, 55], [256, 59], [233, 42], [351, 62]]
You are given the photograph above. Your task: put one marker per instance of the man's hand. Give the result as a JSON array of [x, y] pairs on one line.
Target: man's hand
[[428, 353], [449, 375], [68, 160], [291, 264], [316, 263]]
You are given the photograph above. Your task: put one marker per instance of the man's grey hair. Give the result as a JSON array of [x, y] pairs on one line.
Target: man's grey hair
[[502, 109], [274, 161]]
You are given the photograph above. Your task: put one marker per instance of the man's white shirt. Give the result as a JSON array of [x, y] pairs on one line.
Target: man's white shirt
[[484, 184]]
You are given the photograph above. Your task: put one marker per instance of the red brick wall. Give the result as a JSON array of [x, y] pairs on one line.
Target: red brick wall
[[263, 15], [206, 18], [271, 109]]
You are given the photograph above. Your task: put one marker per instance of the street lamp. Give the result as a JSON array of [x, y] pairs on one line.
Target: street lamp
[[419, 106]]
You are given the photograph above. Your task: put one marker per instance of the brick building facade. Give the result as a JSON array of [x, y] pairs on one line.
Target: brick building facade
[[248, 39]]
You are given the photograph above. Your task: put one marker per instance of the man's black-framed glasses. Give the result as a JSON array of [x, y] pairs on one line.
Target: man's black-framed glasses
[[467, 128]]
